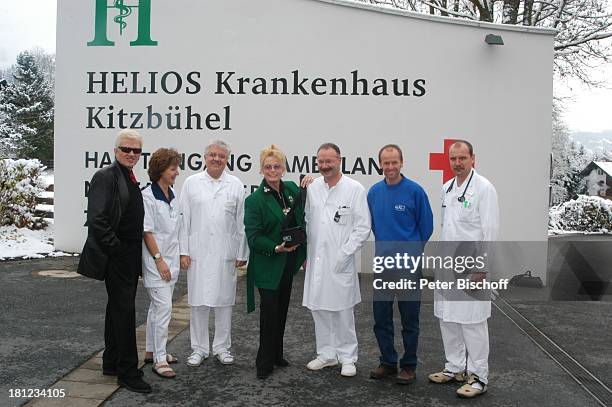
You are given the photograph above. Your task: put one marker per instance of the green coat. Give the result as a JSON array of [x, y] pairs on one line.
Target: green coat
[[263, 219]]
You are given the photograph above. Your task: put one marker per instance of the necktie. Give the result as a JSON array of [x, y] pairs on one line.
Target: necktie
[[133, 177]]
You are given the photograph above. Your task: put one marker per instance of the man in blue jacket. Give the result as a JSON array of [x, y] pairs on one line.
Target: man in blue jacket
[[402, 223]]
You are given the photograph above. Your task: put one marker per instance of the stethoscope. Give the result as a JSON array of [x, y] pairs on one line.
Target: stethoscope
[[462, 197]]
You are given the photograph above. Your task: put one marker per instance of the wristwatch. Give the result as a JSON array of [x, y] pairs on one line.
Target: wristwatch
[[157, 256]]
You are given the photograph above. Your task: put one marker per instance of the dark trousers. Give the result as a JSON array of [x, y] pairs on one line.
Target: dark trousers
[[121, 281], [272, 318], [385, 334]]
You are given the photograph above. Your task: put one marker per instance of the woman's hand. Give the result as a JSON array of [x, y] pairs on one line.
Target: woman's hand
[[163, 269], [282, 249], [307, 180]]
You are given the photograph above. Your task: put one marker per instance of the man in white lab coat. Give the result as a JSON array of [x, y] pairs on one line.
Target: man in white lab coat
[[337, 223], [470, 213], [212, 244]]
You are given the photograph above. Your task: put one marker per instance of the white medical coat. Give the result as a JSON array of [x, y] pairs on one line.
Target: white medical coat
[[478, 220], [212, 235], [162, 219], [337, 223]]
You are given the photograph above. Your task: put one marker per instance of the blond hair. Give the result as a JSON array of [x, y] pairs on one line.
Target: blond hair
[[128, 134], [272, 151]]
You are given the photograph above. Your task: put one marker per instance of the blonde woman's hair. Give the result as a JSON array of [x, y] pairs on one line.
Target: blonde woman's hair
[[272, 151]]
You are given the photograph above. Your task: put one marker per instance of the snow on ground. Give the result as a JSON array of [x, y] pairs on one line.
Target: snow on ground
[[24, 243], [47, 178], [44, 208]]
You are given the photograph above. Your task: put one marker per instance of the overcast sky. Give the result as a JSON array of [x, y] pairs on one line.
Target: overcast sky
[[25, 24]]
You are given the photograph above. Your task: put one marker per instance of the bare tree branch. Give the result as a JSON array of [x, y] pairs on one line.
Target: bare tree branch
[[584, 26]]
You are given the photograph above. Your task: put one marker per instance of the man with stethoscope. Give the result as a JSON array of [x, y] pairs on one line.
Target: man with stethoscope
[[470, 213]]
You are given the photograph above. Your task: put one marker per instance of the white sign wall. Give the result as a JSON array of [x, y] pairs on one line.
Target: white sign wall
[[298, 73]]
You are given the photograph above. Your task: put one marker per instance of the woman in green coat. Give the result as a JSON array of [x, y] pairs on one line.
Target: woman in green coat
[[272, 264]]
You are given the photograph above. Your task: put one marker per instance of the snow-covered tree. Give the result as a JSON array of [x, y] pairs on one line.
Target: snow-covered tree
[[46, 65], [26, 105], [585, 214], [585, 26], [20, 184], [569, 159]]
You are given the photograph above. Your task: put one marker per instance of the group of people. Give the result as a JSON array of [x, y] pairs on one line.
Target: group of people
[[212, 229]]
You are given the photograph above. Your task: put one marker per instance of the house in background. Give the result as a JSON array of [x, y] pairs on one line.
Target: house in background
[[598, 177]]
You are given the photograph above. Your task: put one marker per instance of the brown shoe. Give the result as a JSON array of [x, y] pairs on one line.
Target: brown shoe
[[383, 371], [406, 376]]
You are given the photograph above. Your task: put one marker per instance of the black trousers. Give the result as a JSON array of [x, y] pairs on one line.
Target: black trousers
[[121, 279], [272, 318]]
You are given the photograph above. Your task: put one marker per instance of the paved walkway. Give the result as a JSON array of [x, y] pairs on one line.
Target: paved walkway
[[53, 330]]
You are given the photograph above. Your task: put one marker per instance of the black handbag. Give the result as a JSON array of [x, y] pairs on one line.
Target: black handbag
[[297, 234], [293, 236]]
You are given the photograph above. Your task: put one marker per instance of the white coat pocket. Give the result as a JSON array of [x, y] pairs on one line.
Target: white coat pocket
[[344, 264], [230, 207], [467, 212], [344, 216]]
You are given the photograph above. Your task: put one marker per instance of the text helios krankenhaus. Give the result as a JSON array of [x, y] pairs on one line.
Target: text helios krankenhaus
[[185, 117]]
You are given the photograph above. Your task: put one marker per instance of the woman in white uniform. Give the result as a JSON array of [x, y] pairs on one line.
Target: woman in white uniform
[[160, 255]]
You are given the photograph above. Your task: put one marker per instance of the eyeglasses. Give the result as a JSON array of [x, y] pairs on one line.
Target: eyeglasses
[[275, 167], [128, 150]]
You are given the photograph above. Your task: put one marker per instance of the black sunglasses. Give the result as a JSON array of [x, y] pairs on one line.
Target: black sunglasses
[[128, 150]]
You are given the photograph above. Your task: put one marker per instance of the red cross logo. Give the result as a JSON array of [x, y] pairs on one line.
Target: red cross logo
[[440, 161]]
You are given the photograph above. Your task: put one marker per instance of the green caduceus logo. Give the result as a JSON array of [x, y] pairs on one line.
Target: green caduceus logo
[[124, 11]]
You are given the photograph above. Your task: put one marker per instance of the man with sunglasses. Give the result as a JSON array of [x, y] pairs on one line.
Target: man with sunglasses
[[113, 253]]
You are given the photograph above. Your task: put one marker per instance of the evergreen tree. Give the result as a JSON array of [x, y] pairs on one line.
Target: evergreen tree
[[26, 107]]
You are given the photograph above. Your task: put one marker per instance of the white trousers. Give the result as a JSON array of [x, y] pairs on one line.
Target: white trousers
[[466, 339], [198, 329], [335, 335], [158, 318]]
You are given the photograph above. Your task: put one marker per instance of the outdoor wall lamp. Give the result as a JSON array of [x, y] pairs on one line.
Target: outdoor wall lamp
[[493, 39]]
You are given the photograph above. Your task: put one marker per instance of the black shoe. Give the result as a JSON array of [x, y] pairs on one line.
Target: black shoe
[[263, 374], [281, 363], [109, 372], [115, 372], [135, 384]]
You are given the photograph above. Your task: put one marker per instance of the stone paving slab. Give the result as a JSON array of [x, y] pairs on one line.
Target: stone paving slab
[[66, 402], [96, 391], [79, 380]]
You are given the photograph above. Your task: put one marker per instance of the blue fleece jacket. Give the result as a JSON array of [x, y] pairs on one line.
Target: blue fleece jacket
[[400, 212]]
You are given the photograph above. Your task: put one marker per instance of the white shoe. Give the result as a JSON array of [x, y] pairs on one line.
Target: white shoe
[[348, 370], [195, 359], [225, 358], [318, 364]]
